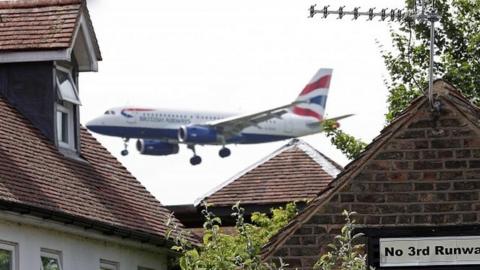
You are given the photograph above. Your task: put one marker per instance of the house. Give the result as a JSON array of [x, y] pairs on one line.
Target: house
[[416, 189], [65, 201], [296, 172]]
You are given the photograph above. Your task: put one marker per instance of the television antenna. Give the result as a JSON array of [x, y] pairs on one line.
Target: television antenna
[[423, 14]]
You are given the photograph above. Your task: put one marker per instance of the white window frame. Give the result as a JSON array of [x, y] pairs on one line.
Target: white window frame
[[69, 107], [70, 111], [53, 254], [13, 248], [110, 265], [70, 78]]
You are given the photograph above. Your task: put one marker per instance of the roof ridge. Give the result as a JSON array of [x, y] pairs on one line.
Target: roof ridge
[[441, 88], [36, 3], [230, 180], [277, 239], [328, 165]]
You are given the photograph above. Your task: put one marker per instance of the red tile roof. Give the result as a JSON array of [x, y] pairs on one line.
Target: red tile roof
[[295, 172], [41, 24], [33, 173]]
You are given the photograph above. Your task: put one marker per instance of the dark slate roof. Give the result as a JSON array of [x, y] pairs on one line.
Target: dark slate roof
[[295, 172], [41, 24], [442, 90], [96, 192]]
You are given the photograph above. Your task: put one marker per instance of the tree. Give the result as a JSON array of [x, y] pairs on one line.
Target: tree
[[347, 144], [457, 42], [240, 250]]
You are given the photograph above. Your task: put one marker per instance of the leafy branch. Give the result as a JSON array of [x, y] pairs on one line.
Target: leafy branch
[[344, 253], [240, 250], [349, 145]]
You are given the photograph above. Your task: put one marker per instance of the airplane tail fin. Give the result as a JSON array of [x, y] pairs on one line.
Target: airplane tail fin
[[313, 98]]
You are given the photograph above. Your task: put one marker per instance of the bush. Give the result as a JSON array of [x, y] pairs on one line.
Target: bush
[[344, 254], [240, 250]]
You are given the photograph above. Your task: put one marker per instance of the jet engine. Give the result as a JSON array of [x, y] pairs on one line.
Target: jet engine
[[197, 134], [156, 147]]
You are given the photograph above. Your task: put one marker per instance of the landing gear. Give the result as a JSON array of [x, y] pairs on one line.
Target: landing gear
[[224, 152], [125, 145], [195, 160]]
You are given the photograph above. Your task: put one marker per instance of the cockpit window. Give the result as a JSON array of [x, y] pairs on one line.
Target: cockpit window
[[110, 112]]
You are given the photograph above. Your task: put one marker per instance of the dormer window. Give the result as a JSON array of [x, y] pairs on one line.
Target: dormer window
[[39, 69], [67, 89], [67, 109]]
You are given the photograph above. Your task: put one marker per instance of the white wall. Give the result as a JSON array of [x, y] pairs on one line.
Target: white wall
[[81, 249]]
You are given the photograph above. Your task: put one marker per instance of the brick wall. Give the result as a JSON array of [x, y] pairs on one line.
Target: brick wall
[[421, 176]]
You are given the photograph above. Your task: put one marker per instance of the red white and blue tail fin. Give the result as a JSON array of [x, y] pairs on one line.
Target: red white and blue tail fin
[[313, 97]]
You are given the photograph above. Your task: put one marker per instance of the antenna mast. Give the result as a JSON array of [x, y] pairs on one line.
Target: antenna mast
[[425, 14]]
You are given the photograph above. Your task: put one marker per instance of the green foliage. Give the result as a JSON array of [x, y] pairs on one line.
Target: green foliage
[[344, 253], [457, 60], [232, 251], [457, 42], [5, 259], [269, 226], [349, 145]]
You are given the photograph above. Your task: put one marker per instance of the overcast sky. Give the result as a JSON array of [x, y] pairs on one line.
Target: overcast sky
[[223, 55]]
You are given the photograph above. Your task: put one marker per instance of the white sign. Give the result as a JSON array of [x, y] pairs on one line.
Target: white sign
[[424, 251]]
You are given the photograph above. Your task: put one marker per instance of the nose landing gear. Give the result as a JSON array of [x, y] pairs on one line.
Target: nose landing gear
[[125, 145], [195, 160], [224, 152]]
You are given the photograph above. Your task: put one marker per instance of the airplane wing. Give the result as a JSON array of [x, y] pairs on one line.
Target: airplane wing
[[340, 117], [334, 119], [232, 125]]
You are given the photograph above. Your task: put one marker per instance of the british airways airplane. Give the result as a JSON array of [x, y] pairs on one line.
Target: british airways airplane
[[160, 131]]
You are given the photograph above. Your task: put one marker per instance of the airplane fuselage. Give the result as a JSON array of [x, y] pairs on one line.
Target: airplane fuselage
[[163, 124], [160, 131]]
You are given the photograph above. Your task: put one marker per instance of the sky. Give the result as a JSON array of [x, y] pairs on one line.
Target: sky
[[235, 56]]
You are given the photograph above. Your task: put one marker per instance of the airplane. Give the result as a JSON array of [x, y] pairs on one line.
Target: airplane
[[160, 131]]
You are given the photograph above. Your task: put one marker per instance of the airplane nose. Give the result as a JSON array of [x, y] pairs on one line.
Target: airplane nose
[[95, 125]]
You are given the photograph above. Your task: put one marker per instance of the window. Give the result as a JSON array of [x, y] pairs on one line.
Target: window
[[108, 265], [66, 87], [8, 255], [66, 110], [50, 260], [66, 125]]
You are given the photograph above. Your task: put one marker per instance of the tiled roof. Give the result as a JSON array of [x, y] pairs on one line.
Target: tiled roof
[[97, 189], [41, 24], [442, 90], [295, 172]]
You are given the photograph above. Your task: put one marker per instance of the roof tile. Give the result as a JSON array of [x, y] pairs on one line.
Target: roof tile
[[295, 172], [42, 24], [34, 173], [25, 27]]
